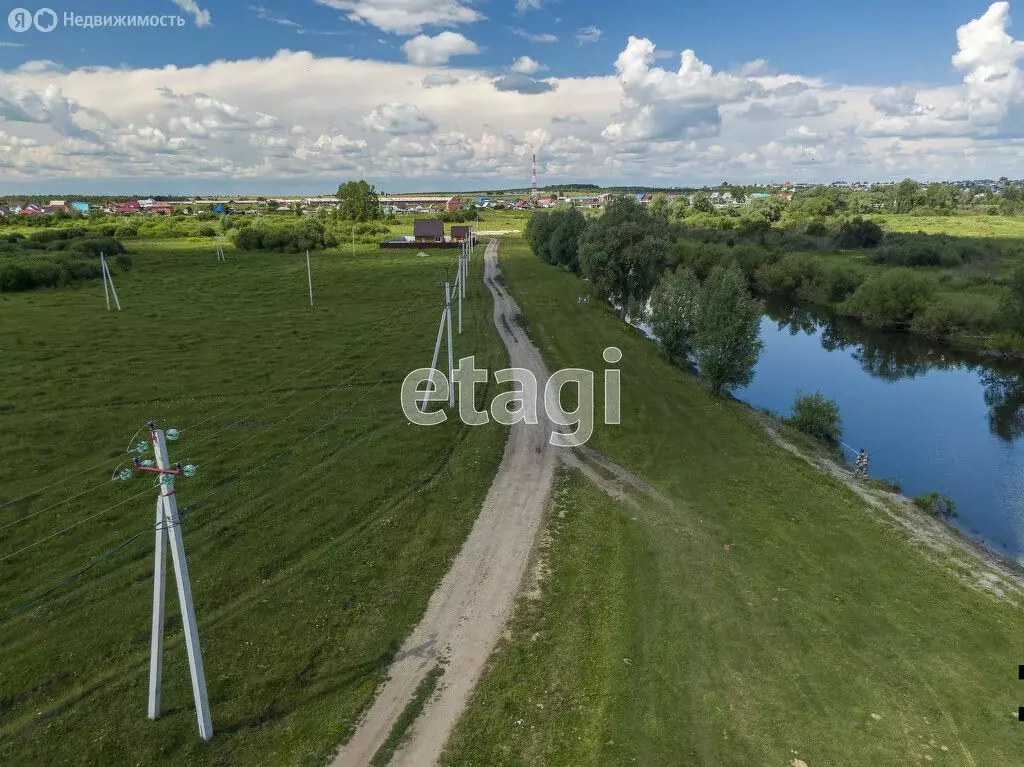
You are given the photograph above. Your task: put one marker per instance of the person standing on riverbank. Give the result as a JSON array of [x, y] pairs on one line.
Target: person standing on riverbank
[[861, 469]]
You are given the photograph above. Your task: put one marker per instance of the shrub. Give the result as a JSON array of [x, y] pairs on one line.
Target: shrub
[[207, 230], [815, 415], [94, 246], [126, 231], [937, 504], [816, 229], [937, 320], [859, 233], [890, 299], [14, 278], [53, 235], [292, 237], [124, 261]]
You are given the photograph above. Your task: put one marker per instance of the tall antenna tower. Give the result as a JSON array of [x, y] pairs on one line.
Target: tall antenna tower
[[533, 183]]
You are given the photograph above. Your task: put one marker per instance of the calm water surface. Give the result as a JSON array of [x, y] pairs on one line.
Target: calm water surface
[[935, 419]]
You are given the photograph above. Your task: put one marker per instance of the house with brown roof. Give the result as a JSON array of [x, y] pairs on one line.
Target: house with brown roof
[[460, 233], [428, 230]]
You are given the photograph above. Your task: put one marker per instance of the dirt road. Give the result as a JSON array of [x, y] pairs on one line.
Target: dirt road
[[466, 614]]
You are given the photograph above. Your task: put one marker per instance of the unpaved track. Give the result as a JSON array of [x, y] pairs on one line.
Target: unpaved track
[[466, 614]]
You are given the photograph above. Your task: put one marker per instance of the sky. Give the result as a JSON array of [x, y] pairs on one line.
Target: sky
[[276, 97]]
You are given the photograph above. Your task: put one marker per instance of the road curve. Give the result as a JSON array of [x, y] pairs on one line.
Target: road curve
[[467, 612]]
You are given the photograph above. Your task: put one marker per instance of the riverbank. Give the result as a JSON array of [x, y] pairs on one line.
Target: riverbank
[[761, 613], [949, 279], [971, 561]]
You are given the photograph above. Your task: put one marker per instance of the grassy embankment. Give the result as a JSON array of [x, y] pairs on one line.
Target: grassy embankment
[[320, 522], [764, 616]]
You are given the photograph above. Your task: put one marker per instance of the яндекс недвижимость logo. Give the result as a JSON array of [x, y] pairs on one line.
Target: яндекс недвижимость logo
[[22, 19], [46, 20]]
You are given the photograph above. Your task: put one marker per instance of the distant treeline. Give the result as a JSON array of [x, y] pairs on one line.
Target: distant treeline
[[935, 285], [55, 257]]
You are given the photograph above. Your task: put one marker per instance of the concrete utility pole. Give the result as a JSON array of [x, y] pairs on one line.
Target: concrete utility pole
[[437, 350], [451, 362], [107, 277], [309, 275], [220, 250], [168, 526]]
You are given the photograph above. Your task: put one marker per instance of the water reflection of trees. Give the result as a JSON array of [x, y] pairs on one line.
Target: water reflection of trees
[[1004, 396], [893, 356]]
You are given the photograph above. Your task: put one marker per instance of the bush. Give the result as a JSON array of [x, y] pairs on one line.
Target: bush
[[293, 237], [126, 231], [818, 417], [54, 235], [94, 246], [124, 261], [937, 505], [859, 233], [890, 299], [207, 230], [816, 229]]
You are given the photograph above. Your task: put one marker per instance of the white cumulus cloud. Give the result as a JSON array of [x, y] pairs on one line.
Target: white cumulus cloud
[[431, 51], [524, 65], [399, 120], [406, 17]]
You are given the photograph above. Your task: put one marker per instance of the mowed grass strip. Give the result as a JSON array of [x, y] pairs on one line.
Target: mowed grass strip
[[764, 616], [320, 521]]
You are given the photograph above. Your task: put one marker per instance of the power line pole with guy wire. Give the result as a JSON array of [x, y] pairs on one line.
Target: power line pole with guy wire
[[309, 275], [168, 530], [446, 321], [108, 278]]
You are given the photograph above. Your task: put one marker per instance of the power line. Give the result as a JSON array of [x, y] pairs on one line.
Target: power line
[[216, 457], [34, 514], [73, 526], [183, 516]]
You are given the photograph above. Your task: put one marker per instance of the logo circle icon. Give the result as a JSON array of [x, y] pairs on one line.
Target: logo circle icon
[[20, 20], [45, 20]]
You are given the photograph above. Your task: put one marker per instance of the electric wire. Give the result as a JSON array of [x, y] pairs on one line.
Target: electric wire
[[184, 513], [213, 459], [207, 438], [73, 526]]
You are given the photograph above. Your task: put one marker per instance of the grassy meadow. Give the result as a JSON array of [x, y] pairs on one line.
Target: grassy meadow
[[764, 616], [316, 529]]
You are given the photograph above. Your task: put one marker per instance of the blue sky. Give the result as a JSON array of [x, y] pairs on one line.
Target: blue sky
[[856, 43], [422, 93]]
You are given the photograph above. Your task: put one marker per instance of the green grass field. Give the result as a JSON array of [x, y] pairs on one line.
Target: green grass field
[[1002, 227], [318, 526], [764, 616]]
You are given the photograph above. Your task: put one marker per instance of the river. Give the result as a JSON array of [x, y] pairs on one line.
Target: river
[[935, 419]]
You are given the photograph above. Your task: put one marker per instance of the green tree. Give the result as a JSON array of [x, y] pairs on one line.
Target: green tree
[[359, 201], [771, 209], [702, 203], [727, 343], [622, 252], [817, 206], [679, 208], [675, 312], [555, 236], [659, 205], [940, 198], [906, 196]]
